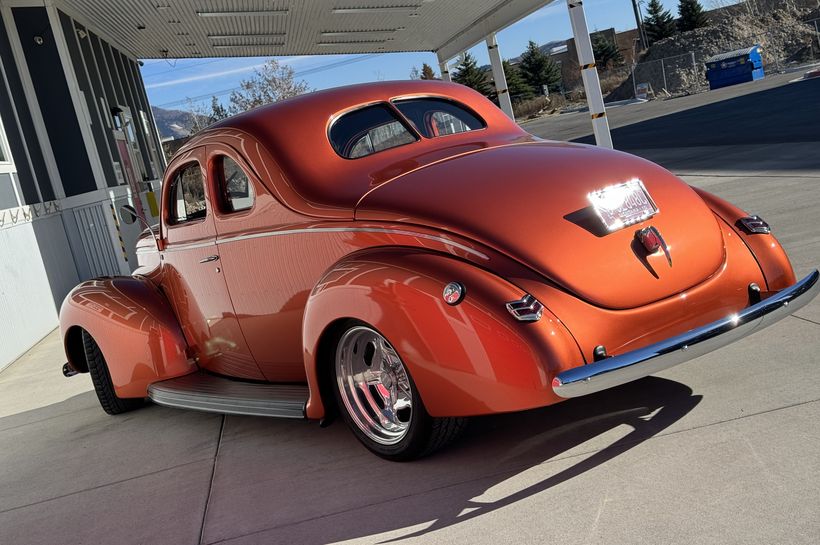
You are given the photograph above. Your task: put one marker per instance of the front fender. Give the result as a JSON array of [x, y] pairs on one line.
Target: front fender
[[770, 255], [135, 328], [469, 359]]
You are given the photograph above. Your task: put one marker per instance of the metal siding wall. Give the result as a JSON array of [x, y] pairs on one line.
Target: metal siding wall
[[112, 72], [105, 76], [154, 131], [135, 110], [99, 93], [55, 101], [92, 227], [7, 197], [33, 284], [131, 69], [97, 128], [23, 136]]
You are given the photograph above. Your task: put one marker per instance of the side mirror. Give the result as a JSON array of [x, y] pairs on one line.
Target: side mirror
[[128, 214]]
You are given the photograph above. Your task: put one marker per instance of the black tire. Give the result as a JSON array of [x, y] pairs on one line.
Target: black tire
[[101, 378], [425, 434]]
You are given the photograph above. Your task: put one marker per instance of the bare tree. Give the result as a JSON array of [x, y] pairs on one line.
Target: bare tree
[[271, 83]]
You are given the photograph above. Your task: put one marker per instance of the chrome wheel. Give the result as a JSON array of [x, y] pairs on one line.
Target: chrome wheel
[[373, 385]]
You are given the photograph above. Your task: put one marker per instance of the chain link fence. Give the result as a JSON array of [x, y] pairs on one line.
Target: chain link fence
[[671, 76]]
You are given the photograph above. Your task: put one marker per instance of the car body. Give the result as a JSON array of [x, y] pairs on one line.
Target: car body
[[488, 270]]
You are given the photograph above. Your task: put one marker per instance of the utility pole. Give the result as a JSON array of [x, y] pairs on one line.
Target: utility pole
[[639, 24]]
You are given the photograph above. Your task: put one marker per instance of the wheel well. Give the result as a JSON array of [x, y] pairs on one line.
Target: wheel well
[[75, 350], [325, 354]]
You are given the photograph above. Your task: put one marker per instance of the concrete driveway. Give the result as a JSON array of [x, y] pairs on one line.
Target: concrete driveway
[[722, 449]]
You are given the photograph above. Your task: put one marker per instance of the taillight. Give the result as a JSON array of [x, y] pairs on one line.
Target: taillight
[[754, 225]]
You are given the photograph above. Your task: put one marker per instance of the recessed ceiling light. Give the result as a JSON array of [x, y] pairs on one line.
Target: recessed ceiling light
[[247, 13], [261, 35], [356, 42], [235, 46], [332, 33], [375, 9]]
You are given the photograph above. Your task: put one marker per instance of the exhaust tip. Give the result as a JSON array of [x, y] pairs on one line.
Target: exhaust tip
[[68, 370]]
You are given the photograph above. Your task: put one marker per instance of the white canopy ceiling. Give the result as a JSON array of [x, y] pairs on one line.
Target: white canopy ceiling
[[241, 28]]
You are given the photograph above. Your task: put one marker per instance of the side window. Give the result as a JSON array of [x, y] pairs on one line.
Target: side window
[[235, 188], [438, 117], [188, 194], [367, 131]]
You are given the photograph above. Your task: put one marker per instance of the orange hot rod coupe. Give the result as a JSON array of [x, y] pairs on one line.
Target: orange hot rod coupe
[[405, 255]]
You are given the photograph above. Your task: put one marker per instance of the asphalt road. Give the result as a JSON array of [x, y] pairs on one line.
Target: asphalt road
[[768, 111], [722, 449]]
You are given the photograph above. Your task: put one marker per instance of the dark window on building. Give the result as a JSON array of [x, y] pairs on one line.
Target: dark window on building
[[235, 188], [188, 194], [367, 131], [438, 117]]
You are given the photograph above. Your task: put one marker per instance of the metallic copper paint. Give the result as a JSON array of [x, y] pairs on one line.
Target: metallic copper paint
[[135, 328], [469, 359], [553, 229], [767, 250], [377, 239]]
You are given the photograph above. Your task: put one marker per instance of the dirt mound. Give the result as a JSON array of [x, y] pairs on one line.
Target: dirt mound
[[782, 33]]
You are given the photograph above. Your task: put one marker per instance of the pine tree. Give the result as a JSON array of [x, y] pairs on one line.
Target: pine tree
[[658, 23], [427, 72], [692, 15], [538, 69], [518, 88], [468, 73], [606, 53]]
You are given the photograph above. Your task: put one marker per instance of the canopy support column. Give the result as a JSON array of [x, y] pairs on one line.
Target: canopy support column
[[499, 77], [442, 66], [592, 85]]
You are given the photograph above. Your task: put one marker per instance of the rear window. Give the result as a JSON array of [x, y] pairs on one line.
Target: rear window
[[438, 117], [368, 130]]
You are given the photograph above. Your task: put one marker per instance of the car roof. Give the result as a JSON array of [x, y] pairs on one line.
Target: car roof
[[294, 132]]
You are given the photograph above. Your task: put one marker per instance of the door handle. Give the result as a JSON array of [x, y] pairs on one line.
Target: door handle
[[209, 259]]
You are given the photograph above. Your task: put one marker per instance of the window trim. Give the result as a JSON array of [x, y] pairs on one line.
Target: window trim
[[484, 124], [389, 105], [214, 161], [171, 220]]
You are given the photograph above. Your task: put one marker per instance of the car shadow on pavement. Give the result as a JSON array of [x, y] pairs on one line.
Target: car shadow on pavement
[[356, 495]]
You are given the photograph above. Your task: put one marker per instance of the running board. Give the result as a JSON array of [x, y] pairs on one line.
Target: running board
[[203, 392]]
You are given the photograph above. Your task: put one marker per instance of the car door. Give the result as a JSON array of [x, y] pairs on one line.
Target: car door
[[268, 277], [193, 272]]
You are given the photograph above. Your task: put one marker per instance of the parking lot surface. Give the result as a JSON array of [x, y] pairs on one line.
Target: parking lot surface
[[722, 449]]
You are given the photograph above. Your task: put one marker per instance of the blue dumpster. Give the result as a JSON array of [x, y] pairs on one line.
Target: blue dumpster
[[734, 67]]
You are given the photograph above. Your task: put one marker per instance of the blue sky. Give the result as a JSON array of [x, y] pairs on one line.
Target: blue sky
[[171, 83]]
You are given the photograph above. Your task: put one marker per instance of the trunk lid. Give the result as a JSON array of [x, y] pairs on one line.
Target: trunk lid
[[529, 201]]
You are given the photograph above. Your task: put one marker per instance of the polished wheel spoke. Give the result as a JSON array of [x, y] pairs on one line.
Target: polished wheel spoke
[[374, 385]]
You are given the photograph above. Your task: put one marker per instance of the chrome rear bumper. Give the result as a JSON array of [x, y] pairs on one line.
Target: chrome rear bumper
[[639, 363]]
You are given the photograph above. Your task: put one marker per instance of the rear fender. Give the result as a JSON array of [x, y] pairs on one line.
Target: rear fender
[[469, 359], [773, 261], [135, 328]]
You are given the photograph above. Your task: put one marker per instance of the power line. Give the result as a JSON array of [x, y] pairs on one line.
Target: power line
[[306, 72]]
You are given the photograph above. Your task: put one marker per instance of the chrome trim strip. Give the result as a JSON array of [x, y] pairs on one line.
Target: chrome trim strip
[[639, 363], [189, 246], [356, 230]]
